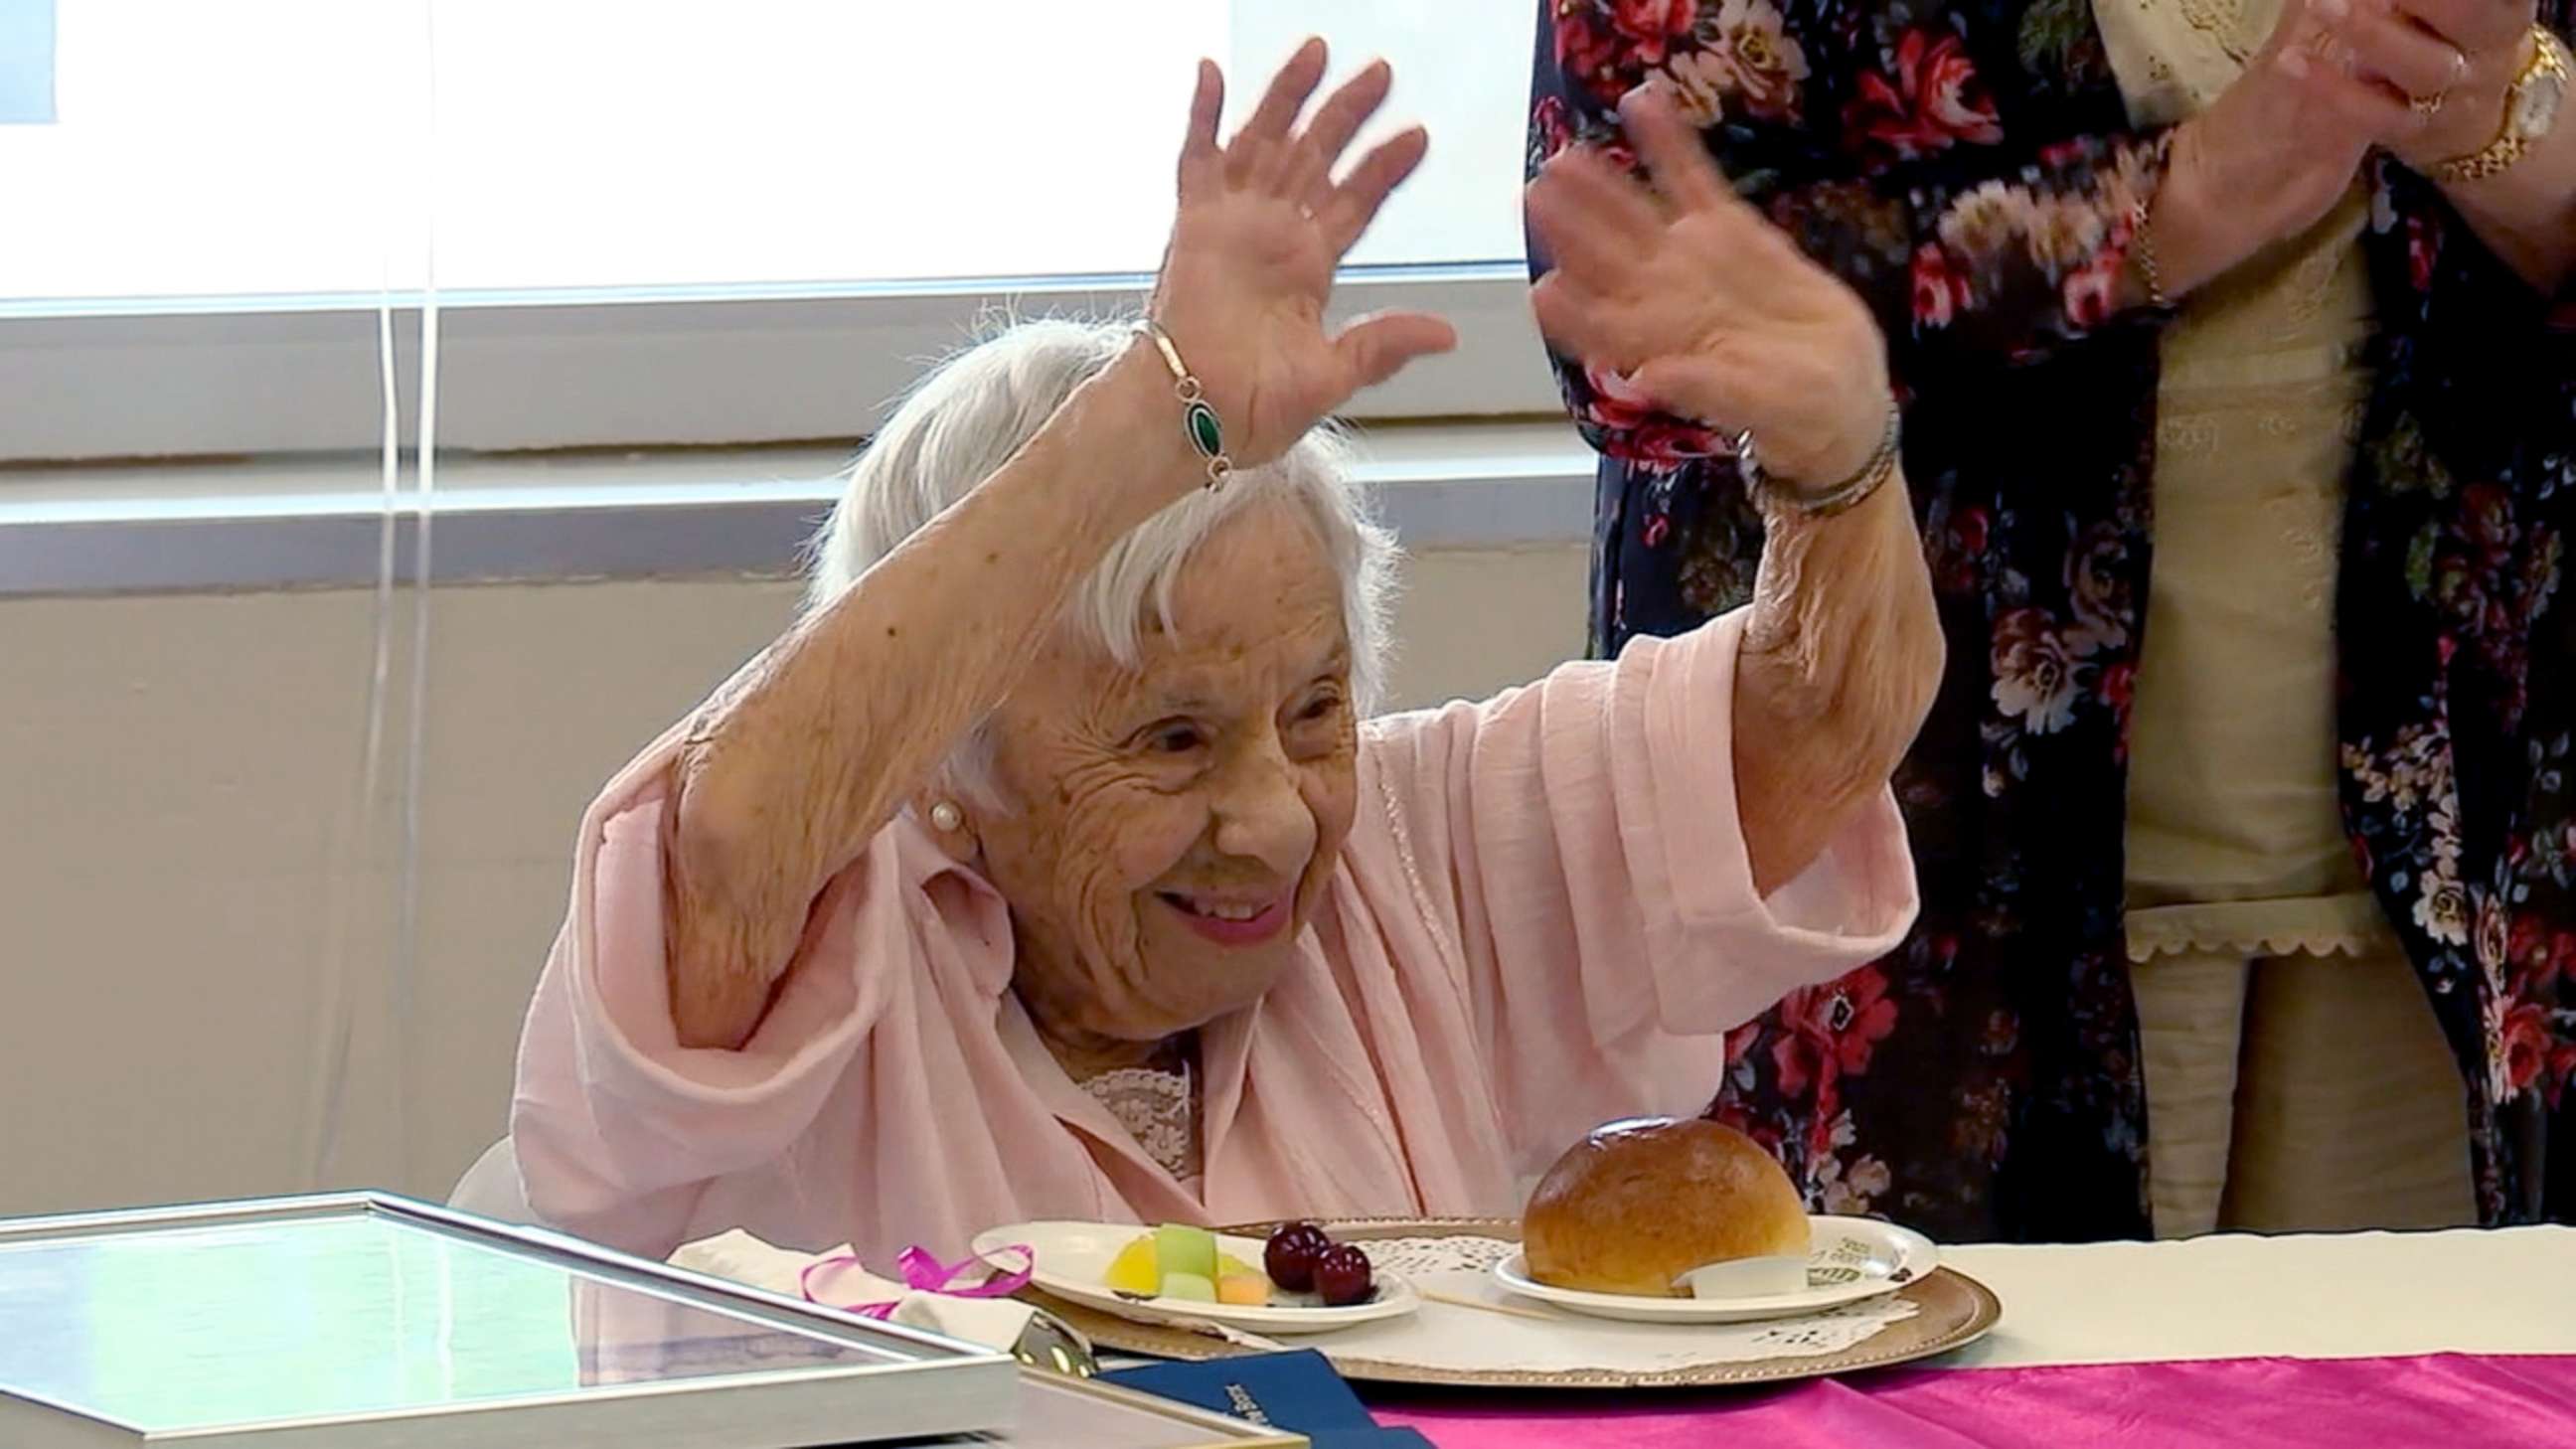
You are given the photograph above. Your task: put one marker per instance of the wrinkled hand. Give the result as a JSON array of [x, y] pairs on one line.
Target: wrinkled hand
[[1261, 227], [2466, 53], [2275, 152], [1709, 311]]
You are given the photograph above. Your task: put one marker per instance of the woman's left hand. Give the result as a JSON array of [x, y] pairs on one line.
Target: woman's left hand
[[1708, 310], [2445, 64], [1715, 315]]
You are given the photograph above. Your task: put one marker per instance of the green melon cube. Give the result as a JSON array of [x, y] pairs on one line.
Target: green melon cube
[[1179, 1249], [1189, 1287]]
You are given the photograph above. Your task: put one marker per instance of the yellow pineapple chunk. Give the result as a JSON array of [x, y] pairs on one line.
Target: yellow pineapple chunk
[[1137, 1269]]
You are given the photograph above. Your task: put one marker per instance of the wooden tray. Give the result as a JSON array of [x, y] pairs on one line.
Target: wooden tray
[[1953, 1310]]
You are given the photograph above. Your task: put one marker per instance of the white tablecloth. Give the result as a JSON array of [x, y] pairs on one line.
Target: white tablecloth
[[2353, 1295]]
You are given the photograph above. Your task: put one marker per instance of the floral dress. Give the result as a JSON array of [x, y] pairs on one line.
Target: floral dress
[[1970, 167]]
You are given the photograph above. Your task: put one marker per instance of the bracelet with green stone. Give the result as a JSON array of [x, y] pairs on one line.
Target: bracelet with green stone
[[1198, 416]]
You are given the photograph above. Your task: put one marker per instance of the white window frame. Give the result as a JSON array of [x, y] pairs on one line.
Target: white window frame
[[630, 370], [203, 447]]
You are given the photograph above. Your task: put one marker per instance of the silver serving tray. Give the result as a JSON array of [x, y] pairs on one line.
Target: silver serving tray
[[372, 1319]]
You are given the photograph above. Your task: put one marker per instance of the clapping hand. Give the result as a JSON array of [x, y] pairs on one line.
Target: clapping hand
[[2421, 79], [2451, 61], [2273, 154]]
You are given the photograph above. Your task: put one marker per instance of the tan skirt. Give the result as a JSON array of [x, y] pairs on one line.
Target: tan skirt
[[2299, 1093]]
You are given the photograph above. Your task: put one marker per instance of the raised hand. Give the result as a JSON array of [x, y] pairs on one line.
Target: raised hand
[[1709, 311], [1263, 223]]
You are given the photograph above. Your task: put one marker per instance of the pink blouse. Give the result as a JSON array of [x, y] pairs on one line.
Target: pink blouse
[[1543, 919]]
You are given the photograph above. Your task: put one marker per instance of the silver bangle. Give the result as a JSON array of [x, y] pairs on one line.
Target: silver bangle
[[1772, 496]]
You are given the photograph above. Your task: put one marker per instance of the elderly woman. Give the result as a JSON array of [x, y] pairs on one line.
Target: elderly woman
[[2240, 406], [1050, 868]]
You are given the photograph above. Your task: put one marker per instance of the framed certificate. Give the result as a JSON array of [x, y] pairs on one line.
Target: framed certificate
[[1063, 1413], [371, 1319]]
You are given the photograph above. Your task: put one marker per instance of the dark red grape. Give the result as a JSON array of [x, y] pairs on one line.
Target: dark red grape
[[1291, 1254], [1342, 1277]]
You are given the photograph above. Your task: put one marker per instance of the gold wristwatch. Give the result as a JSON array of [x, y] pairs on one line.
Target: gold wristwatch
[[2530, 108]]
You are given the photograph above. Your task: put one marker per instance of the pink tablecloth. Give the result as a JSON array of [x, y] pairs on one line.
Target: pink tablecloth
[[2451, 1400]]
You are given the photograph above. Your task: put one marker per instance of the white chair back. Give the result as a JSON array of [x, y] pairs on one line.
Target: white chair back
[[491, 1187]]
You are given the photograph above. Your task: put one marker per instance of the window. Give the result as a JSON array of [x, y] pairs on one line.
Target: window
[[26, 62], [658, 222]]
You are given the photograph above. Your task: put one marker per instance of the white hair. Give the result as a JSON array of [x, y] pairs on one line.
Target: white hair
[[970, 414]]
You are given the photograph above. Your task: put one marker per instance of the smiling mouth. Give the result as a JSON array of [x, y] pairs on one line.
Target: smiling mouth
[[1218, 910], [1230, 922]]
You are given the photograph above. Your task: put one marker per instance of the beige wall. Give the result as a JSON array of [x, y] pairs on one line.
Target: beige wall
[[195, 907]]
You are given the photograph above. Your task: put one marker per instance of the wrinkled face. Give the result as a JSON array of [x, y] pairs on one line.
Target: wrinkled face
[[1173, 827]]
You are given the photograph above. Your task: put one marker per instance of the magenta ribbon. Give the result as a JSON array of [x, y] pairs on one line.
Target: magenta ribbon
[[923, 1273]]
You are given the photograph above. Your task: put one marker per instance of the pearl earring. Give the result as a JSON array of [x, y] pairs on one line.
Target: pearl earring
[[947, 817]]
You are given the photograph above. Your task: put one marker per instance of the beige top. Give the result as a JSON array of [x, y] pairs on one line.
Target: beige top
[[2235, 840]]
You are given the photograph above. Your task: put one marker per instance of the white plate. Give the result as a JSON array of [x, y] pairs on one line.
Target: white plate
[[1853, 1259], [1072, 1256]]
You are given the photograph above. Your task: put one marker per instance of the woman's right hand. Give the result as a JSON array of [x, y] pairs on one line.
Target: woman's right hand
[[2274, 153], [1262, 225]]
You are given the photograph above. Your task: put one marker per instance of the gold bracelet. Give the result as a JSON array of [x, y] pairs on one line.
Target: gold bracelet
[[1198, 416], [2531, 105], [2142, 245]]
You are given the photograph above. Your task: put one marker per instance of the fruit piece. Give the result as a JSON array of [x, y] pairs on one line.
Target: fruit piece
[[1342, 1277], [1136, 1269], [1291, 1255], [1189, 1287], [1230, 1266], [1245, 1290], [1186, 1250]]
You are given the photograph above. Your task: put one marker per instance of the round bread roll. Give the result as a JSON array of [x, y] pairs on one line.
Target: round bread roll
[[1637, 1204]]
